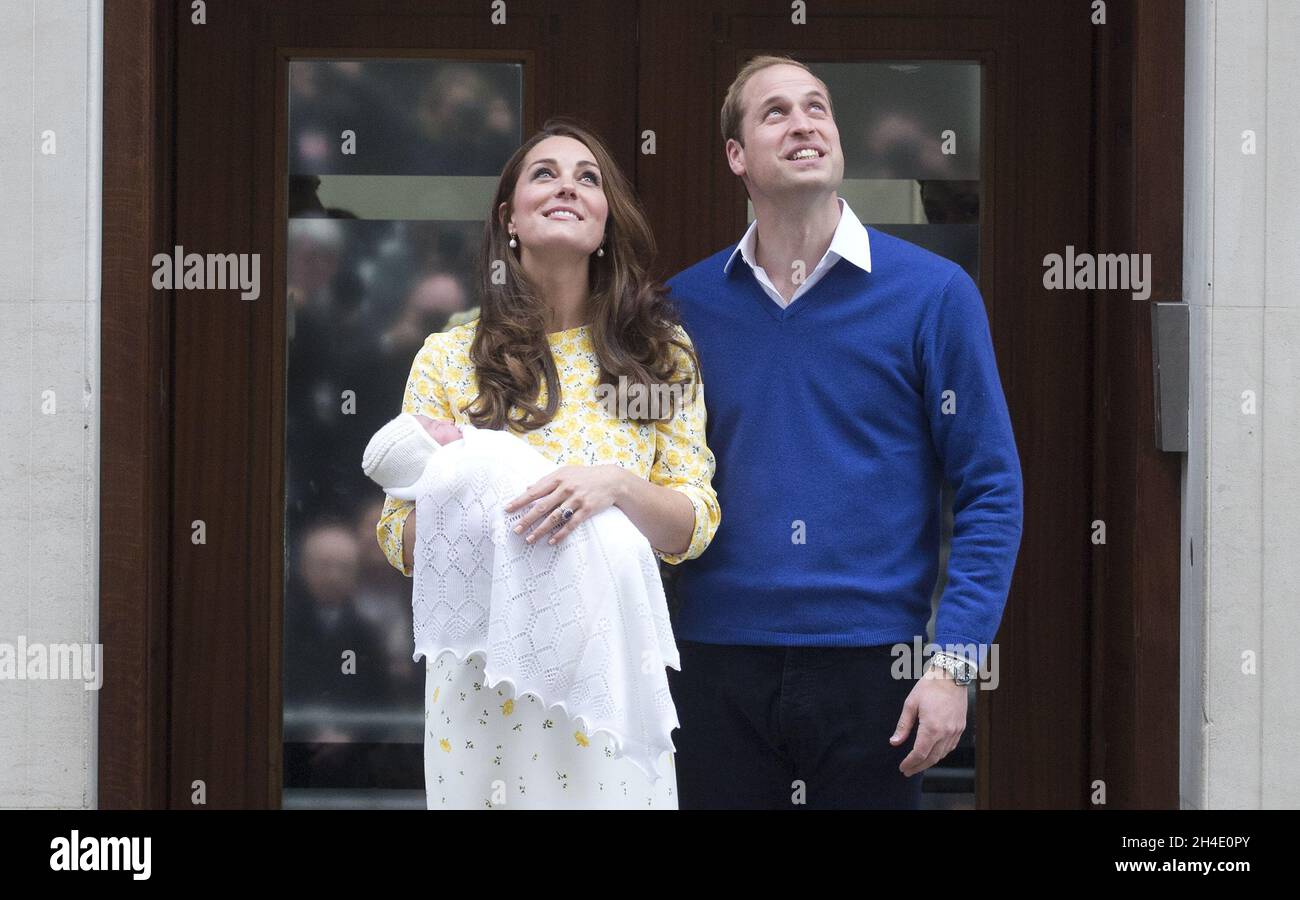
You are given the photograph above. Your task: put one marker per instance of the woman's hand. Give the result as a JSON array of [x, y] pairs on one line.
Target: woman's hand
[[587, 490]]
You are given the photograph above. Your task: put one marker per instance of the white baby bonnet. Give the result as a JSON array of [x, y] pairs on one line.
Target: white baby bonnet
[[582, 625]]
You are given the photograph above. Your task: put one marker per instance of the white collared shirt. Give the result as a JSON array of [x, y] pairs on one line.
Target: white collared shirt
[[849, 242]]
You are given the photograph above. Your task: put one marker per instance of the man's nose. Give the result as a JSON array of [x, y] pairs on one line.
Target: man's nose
[[801, 122]]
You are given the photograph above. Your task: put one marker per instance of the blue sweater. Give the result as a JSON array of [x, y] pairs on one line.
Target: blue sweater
[[834, 422]]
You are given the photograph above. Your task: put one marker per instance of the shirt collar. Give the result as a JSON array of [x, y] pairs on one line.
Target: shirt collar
[[849, 241]]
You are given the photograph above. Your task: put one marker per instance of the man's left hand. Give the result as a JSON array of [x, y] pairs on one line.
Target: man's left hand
[[941, 704]]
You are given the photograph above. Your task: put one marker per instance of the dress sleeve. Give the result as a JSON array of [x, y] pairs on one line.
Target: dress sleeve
[[426, 394], [684, 462]]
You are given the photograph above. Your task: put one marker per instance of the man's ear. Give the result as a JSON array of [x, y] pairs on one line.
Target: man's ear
[[735, 156]]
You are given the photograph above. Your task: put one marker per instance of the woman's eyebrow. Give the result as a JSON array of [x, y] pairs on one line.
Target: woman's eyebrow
[[581, 162]]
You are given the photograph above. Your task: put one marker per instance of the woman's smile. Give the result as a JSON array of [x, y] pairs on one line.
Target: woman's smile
[[563, 213]]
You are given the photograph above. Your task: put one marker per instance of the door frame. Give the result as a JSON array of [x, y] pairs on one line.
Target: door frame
[[1132, 734]]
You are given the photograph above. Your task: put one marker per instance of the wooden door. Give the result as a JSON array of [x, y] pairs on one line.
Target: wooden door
[[252, 113], [1059, 721]]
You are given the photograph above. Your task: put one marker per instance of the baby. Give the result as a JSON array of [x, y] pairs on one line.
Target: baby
[[396, 456], [399, 453], [478, 586]]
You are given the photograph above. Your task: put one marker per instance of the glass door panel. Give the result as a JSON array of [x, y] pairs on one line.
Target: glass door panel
[[391, 168]]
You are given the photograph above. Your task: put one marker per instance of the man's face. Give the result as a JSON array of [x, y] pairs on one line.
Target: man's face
[[791, 142]]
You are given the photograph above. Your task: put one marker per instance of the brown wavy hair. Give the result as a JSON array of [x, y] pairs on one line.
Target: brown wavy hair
[[632, 319]]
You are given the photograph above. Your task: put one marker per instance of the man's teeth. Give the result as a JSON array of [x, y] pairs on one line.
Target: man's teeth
[[561, 213], [805, 154]]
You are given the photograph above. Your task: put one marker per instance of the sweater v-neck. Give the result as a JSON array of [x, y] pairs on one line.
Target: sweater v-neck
[[790, 310]]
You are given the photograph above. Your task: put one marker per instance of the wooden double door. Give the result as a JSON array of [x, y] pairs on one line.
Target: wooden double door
[[243, 415]]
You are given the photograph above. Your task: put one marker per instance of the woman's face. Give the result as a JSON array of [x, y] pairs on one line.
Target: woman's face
[[559, 204]]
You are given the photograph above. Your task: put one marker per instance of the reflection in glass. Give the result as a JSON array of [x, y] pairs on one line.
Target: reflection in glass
[[409, 116], [910, 130], [391, 167]]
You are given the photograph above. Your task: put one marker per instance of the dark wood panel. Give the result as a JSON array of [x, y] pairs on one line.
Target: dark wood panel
[[134, 541], [1034, 737], [213, 727], [677, 99], [1139, 174]]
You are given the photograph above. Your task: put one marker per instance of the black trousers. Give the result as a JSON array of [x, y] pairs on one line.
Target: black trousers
[[790, 728]]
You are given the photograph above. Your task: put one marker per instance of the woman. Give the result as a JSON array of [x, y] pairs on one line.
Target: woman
[[568, 313]]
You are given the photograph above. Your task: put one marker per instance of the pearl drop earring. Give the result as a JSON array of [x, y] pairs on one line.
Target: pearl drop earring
[[513, 242], [600, 251]]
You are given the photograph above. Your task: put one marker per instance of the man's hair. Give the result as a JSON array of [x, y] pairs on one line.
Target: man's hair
[[732, 109]]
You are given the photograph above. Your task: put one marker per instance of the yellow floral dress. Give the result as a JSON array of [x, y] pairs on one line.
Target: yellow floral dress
[[485, 748]]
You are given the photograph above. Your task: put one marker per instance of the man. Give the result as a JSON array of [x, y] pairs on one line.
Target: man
[[848, 374]]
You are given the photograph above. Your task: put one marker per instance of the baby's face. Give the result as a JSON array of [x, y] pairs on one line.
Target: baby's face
[[441, 430]]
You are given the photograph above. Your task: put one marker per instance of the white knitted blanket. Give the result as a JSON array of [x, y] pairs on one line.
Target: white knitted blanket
[[582, 625]]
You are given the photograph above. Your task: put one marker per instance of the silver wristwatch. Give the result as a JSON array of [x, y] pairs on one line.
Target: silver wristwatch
[[962, 670]]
